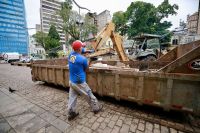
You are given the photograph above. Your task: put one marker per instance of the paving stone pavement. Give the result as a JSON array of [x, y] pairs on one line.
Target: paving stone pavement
[[40, 108]]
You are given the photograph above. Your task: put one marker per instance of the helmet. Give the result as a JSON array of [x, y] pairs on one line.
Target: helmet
[[76, 45]]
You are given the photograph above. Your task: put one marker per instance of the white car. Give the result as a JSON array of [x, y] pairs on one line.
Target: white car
[[25, 60], [35, 58]]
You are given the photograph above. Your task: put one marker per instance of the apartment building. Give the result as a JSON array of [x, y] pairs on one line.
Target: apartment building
[[102, 19], [49, 15], [192, 23]]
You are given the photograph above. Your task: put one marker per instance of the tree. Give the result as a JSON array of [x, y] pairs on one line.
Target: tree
[[69, 18], [87, 28], [48, 41], [53, 33], [120, 22], [40, 38], [142, 17], [53, 38], [73, 24]]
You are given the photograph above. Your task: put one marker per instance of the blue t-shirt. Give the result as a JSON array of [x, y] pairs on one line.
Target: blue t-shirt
[[77, 66]]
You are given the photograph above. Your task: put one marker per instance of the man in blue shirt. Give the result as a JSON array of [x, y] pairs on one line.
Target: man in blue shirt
[[77, 76]]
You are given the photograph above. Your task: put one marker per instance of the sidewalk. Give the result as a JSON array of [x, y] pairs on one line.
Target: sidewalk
[[19, 115]]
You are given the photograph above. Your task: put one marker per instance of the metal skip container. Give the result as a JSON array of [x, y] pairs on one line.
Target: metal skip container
[[167, 90], [171, 82]]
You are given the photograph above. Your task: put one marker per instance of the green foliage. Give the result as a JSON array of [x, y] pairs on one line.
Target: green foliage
[[40, 38], [53, 38], [52, 54], [53, 34], [120, 22], [69, 19], [65, 11], [48, 41], [165, 9], [51, 43], [87, 28], [142, 17]]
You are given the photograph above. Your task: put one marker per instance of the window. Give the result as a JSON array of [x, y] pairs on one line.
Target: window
[[2, 10], [49, 7], [3, 15], [11, 21], [18, 4], [175, 42], [11, 7]]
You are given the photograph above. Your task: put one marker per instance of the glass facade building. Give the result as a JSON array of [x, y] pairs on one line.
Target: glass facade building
[[13, 27]]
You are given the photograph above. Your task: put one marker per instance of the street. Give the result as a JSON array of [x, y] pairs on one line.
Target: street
[[41, 108]]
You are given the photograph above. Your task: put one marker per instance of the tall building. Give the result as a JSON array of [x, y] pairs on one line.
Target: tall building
[[13, 27], [102, 19], [49, 15]]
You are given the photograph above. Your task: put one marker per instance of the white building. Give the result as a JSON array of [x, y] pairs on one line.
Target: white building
[[49, 15], [188, 32], [35, 49]]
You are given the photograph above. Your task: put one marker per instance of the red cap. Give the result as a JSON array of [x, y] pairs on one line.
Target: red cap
[[76, 45]]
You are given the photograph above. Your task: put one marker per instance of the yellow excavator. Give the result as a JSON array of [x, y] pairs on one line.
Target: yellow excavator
[[102, 37]]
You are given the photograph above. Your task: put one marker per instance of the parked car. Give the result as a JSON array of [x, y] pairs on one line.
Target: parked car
[[35, 58], [25, 59]]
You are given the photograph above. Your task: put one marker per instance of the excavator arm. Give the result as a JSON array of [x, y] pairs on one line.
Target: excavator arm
[[103, 36]]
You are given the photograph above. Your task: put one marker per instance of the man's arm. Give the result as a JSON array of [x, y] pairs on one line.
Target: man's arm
[[84, 51], [86, 64]]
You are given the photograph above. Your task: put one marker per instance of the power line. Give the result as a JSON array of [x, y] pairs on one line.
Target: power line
[[80, 6]]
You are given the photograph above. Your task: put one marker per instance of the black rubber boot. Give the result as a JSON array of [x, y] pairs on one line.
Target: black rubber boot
[[72, 115]]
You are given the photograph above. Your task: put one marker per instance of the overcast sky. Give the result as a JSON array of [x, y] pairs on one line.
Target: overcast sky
[[185, 7]]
